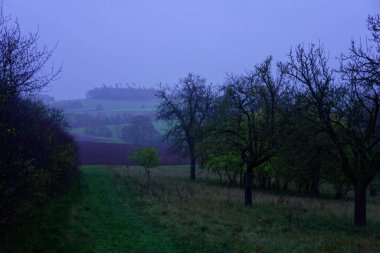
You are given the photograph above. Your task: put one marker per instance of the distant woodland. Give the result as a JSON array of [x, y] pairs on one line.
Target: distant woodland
[[119, 92]]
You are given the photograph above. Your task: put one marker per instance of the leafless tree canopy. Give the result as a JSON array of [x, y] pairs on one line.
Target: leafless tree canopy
[[186, 107], [345, 104], [251, 116], [22, 62]]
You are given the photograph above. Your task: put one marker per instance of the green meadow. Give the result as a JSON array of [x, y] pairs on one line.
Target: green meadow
[[110, 107], [112, 209]]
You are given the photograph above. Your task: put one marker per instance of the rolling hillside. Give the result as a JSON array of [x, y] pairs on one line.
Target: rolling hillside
[[114, 113]]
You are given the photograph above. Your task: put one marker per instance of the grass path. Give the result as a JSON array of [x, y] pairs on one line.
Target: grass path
[[98, 215], [108, 221], [111, 210]]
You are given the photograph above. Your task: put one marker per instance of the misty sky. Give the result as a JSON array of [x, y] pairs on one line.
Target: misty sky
[[151, 41]]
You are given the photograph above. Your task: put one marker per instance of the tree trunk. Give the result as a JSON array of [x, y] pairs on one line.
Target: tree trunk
[[314, 188], [285, 187], [315, 181], [360, 204], [148, 181], [241, 183], [277, 185], [373, 191], [338, 191], [192, 168], [248, 185]]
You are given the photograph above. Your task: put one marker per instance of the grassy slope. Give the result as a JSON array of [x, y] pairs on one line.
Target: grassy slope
[[113, 210], [115, 130], [96, 217], [209, 218], [110, 222], [110, 107]]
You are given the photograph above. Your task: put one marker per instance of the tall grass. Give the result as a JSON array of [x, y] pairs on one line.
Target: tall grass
[[204, 217]]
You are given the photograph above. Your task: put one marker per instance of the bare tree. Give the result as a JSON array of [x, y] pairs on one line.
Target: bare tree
[[186, 106], [347, 111], [251, 117], [22, 62], [373, 24]]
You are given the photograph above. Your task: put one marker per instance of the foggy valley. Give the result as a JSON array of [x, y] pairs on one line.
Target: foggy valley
[[190, 126]]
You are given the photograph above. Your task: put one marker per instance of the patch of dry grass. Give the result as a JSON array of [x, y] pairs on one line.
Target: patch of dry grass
[[210, 218]]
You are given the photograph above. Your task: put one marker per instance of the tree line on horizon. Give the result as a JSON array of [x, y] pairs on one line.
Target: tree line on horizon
[[301, 121], [120, 92]]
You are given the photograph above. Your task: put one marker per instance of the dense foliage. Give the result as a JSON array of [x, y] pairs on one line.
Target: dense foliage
[[38, 157], [140, 131], [147, 158]]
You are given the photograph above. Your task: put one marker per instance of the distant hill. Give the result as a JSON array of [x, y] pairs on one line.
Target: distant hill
[[117, 92], [109, 114], [101, 120]]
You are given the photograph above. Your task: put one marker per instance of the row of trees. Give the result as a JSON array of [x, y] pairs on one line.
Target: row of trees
[[302, 121], [38, 157], [120, 92], [141, 131]]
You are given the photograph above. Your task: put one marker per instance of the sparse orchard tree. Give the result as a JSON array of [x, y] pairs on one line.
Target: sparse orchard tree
[[347, 111], [306, 152], [251, 117], [146, 158], [186, 107]]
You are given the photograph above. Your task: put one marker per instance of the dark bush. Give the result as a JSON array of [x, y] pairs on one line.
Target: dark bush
[[140, 131], [38, 158]]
